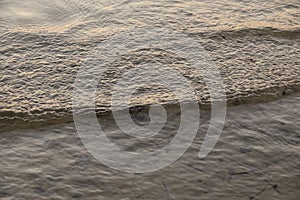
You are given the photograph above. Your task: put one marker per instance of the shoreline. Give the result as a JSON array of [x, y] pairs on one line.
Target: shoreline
[[45, 119]]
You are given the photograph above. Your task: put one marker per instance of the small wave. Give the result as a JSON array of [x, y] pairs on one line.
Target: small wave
[[250, 32], [261, 32], [12, 120]]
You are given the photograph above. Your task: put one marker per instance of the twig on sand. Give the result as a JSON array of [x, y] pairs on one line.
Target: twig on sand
[[231, 173], [274, 186], [166, 190], [195, 168]]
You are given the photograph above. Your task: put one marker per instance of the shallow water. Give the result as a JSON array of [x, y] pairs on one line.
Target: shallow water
[[257, 157], [255, 44]]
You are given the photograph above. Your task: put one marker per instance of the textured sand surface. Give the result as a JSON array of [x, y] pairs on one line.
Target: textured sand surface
[[257, 157]]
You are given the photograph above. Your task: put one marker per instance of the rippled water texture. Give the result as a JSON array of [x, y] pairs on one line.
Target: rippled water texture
[[255, 44], [43, 44]]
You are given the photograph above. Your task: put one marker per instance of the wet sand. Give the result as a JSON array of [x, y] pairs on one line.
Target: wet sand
[[257, 157]]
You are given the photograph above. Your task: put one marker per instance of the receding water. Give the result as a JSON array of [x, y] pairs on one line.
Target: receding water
[[43, 44]]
